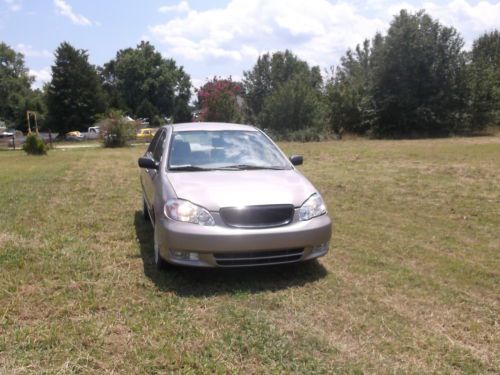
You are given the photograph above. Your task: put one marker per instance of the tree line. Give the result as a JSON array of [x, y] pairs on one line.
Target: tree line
[[416, 80]]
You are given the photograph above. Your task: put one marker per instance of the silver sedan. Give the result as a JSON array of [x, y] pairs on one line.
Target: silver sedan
[[225, 195]]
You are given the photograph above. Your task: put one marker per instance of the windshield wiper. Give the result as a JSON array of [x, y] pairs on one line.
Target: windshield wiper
[[249, 167], [189, 168]]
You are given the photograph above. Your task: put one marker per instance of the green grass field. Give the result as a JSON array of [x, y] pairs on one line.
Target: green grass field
[[411, 283]]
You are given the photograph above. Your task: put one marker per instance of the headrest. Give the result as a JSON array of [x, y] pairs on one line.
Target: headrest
[[181, 147]]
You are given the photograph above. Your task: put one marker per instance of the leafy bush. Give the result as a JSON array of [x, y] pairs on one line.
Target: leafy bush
[[34, 145], [117, 130]]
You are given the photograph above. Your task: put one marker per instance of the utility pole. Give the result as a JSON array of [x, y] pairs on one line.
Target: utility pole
[[50, 139]]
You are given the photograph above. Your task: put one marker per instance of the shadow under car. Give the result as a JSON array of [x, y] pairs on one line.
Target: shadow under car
[[192, 281]]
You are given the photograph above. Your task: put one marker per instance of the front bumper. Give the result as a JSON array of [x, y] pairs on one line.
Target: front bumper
[[223, 246]]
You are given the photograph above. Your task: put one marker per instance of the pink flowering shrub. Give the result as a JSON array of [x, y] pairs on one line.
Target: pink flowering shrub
[[218, 100]]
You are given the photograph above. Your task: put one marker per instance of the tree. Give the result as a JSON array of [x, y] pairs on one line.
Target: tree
[[258, 83], [349, 91], [15, 86], [74, 96], [218, 99], [419, 81], [411, 82], [292, 106], [139, 79], [484, 78], [146, 110], [265, 91]]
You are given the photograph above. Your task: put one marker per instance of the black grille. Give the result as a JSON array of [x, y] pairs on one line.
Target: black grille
[[257, 216], [255, 258]]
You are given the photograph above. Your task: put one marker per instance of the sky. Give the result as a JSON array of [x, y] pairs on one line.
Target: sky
[[218, 37]]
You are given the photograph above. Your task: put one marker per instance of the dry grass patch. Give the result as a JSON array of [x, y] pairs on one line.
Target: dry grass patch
[[410, 284]]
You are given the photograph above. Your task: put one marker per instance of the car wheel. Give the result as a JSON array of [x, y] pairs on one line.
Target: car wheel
[[159, 261], [145, 213]]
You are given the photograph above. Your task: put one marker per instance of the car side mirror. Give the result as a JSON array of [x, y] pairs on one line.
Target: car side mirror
[[147, 163], [296, 159]]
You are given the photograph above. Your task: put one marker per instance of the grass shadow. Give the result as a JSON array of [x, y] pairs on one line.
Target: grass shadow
[[200, 282]]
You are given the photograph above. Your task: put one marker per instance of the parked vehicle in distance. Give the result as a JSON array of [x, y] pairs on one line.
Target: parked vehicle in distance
[[5, 133], [224, 195], [146, 133], [93, 132], [74, 136]]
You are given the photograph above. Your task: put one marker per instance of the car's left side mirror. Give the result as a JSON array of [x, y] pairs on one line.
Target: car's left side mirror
[[147, 163], [296, 159]]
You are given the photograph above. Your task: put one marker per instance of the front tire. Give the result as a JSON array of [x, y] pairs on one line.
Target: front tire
[[145, 213], [160, 263]]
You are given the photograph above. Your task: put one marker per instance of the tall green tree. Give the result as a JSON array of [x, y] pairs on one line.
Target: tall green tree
[[292, 106], [485, 80], [349, 91], [140, 79], [15, 86], [419, 82], [265, 88], [74, 96], [410, 82]]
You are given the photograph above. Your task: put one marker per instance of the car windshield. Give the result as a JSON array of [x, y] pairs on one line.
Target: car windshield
[[223, 150]]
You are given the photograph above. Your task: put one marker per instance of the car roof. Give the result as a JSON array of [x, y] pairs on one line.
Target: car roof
[[211, 126]]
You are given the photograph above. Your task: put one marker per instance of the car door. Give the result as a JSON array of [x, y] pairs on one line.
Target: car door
[[152, 174], [147, 175]]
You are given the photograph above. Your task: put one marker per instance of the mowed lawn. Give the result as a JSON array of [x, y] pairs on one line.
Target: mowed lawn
[[411, 283]]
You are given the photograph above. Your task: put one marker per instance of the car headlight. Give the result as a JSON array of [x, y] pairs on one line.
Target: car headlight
[[182, 210], [312, 207]]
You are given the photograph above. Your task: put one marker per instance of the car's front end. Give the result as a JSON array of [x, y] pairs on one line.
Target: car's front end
[[243, 236], [224, 195]]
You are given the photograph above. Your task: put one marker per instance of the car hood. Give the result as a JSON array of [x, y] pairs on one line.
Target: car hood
[[216, 189]]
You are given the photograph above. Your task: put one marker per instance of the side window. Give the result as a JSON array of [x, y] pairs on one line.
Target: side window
[[158, 152], [153, 143]]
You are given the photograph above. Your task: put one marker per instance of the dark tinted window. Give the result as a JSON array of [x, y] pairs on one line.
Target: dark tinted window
[[158, 152], [153, 143]]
